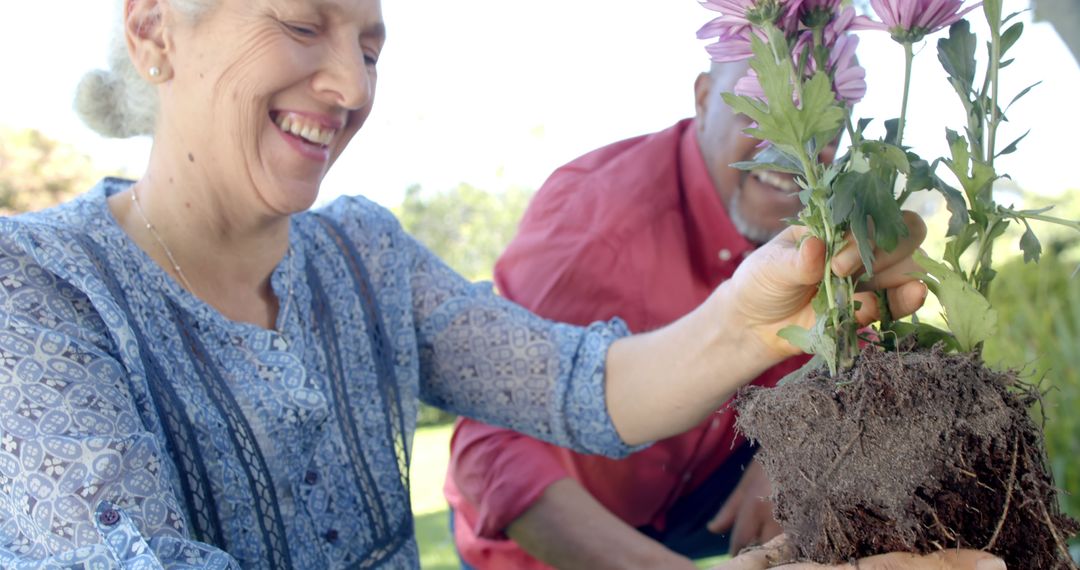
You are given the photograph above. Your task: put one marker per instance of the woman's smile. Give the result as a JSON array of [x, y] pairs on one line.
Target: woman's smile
[[310, 135]]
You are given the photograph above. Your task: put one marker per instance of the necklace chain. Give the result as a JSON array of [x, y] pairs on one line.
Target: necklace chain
[[161, 242], [180, 272]]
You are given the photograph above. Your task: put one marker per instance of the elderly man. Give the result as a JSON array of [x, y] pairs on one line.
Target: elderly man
[[644, 229]]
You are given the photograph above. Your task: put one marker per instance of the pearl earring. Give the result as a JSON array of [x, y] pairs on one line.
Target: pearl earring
[[155, 71]]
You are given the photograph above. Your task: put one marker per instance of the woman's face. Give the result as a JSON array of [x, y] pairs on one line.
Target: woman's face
[[266, 94]]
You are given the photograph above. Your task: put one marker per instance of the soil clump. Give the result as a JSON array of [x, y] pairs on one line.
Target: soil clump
[[909, 451]]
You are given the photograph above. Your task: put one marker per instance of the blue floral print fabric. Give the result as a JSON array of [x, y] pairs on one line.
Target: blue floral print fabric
[[140, 428]]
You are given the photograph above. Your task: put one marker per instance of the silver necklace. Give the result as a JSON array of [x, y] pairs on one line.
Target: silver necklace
[[180, 272], [161, 242]]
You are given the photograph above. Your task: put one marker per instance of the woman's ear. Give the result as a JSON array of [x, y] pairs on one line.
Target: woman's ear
[[145, 32]]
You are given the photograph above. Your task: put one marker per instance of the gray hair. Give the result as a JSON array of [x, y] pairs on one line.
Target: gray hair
[[118, 102]]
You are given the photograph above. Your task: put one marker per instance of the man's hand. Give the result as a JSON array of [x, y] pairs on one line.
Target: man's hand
[[747, 513], [778, 551], [774, 286]]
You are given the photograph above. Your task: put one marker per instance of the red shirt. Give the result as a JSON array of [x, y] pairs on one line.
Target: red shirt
[[636, 230]]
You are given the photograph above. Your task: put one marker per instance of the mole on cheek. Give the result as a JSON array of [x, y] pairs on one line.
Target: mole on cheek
[[190, 157]]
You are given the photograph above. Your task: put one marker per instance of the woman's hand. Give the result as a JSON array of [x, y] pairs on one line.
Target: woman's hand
[[779, 551], [773, 287]]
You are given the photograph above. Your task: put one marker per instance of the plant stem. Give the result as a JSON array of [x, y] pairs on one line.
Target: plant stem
[[995, 66], [909, 56], [1042, 218]]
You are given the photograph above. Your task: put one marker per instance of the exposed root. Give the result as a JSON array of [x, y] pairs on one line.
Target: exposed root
[[1057, 537], [1008, 494], [944, 530]]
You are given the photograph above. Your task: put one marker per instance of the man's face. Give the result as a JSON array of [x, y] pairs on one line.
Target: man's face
[[757, 202]]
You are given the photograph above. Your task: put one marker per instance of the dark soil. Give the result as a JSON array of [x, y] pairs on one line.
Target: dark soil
[[911, 451]]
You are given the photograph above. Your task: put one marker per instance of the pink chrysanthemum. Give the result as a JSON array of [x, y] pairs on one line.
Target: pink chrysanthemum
[[732, 20], [737, 16], [849, 78], [847, 21], [808, 11], [910, 20]]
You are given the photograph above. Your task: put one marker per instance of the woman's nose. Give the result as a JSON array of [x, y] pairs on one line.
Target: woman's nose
[[345, 79]]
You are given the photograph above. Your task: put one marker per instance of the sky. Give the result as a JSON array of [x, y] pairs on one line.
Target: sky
[[498, 93]]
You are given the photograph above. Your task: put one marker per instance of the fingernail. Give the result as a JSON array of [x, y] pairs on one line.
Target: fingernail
[[990, 564]]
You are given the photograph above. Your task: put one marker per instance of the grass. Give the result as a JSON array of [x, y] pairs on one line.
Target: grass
[[431, 453]]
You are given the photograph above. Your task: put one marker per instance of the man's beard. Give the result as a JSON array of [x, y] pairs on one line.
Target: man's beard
[[754, 233]]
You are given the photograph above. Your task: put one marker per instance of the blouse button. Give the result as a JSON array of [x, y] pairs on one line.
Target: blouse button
[[331, 536], [311, 477], [109, 517]]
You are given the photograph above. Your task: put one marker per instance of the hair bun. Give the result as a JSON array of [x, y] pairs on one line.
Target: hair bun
[[98, 99], [116, 104]]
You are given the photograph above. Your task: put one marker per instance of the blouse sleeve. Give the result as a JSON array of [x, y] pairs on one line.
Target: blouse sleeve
[[83, 484], [485, 357]]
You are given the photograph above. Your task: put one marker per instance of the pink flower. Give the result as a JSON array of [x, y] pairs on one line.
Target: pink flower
[[849, 78], [811, 11], [909, 20], [732, 20], [739, 15], [731, 48], [749, 86], [847, 21]]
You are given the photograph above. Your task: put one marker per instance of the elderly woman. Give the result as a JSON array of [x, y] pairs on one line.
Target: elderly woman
[[196, 372]]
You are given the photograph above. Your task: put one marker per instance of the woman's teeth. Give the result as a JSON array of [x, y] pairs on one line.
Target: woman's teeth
[[776, 180], [310, 132]]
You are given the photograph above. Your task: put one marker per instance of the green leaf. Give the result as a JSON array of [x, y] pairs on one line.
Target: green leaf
[[1009, 36], [925, 335], [969, 315], [803, 371], [1023, 92], [842, 201], [954, 201], [788, 127], [820, 113], [888, 153], [957, 55], [771, 158], [1030, 245], [862, 124], [892, 127], [798, 337], [956, 247], [976, 180], [921, 175], [874, 200], [1012, 146], [815, 341], [1010, 17]]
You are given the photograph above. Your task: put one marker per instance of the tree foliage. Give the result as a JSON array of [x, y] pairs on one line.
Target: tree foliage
[[466, 227], [37, 172]]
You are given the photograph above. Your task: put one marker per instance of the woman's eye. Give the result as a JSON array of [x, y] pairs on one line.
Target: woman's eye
[[301, 30], [371, 60]]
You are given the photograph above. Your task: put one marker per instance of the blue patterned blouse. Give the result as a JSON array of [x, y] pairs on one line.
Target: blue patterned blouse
[[141, 428]]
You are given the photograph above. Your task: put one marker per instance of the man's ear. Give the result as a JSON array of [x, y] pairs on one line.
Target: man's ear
[[145, 33], [702, 86]]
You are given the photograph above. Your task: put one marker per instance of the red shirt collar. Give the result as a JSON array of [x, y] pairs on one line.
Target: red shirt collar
[[710, 229]]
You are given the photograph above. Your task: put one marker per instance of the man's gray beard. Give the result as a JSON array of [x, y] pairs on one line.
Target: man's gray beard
[[753, 233]]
